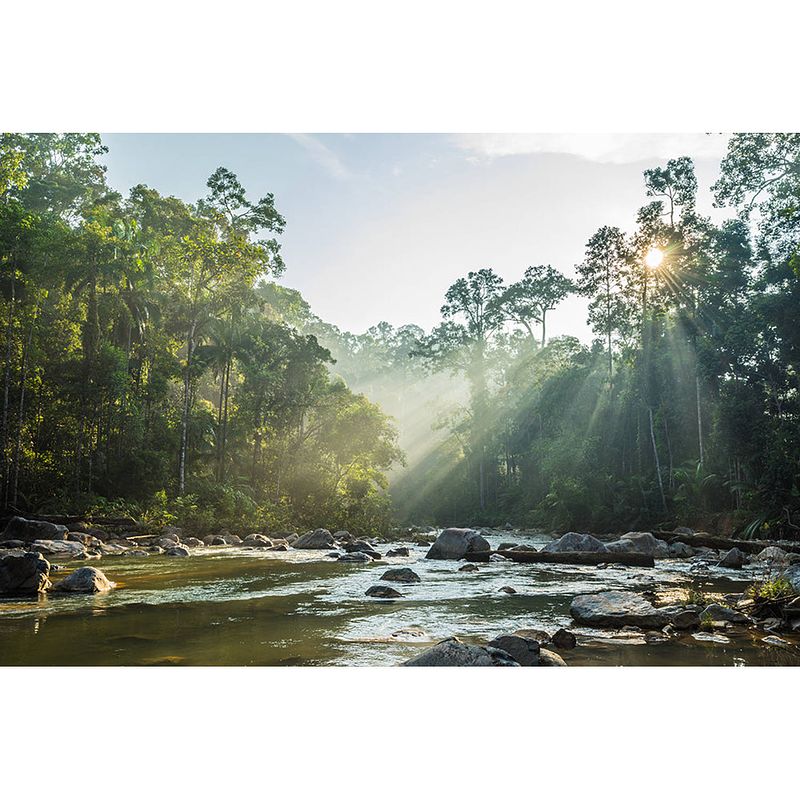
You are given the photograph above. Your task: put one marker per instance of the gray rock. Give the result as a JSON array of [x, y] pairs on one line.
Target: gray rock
[[455, 543], [232, 538], [508, 589], [776, 641], [563, 639], [680, 550], [719, 613], [385, 592], [58, 549], [524, 650], [507, 546], [401, 575], [280, 548], [575, 543], [468, 568], [30, 530], [85, 579], [398, 552], [496, 558], [320, 539], [454, 653], [733, 559], [616, 609], [24, 574], [640, 542], [773, 555], [169, 534], [136, 553], [793, 576], [547, 658], [258, 540], [178, 550], [684, 619], [355, 558], [191, 541]]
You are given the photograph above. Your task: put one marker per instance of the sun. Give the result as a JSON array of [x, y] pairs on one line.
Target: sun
[[654, 258]]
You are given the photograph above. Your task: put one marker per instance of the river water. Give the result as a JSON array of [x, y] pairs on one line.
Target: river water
[[229, 606]]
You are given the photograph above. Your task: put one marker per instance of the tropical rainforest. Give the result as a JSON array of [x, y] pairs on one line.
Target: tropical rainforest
[[153, 365]]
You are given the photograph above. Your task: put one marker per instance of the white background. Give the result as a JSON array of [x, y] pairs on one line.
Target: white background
[[410, 66]]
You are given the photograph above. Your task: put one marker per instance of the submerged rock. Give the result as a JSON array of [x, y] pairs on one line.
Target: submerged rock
[[455, 543], [29, 530], [386, 592], [455, 653], [24, 574], [320, 539], [401, 575], [524, 650], [85, 579], [616, 609], [575, 543]]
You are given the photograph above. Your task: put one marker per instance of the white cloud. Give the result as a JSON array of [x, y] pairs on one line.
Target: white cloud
[[613, 148], [321, 154]]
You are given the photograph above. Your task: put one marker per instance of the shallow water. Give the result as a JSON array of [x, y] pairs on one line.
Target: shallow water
[[227, 606]]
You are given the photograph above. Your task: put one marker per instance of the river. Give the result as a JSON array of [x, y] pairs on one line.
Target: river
[[231, 606]]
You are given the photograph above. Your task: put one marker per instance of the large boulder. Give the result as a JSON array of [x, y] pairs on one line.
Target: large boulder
[[454, 653], [24, 574], [320, 539], [58, 549], [85, 579], [29, 530], [401, 575], [524, 650], [575, 543], [773, 555], [640, 542], [616, 609], [455, 543]]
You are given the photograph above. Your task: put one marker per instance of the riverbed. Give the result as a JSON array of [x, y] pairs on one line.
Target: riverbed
[[230, 606]]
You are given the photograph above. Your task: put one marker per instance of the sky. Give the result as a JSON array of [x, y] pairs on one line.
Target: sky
[[378, 226]]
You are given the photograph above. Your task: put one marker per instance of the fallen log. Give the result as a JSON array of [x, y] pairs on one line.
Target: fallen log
[[751, 546], [578, 558]]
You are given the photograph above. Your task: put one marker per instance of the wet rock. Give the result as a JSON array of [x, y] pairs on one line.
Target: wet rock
[[508, 589], [258, 539], [361, 546], [232, 539], [683, 531], [793, 576], [58, 549], [155, 549], [30, 530], [401, 575], [455, 543], [454, 653], [355, 558], [169, 536], [524, 650], [86, 539], [575, 543], [640, 542], [717, 638], [398, 552], [685, 619], [12, 544], [496, 558], [776, 641], [191, 541], [135, 553], [616, 609], [563, 640], [385, 592], [468, 568], [680, 550], [165, 542], [507, 546], [719, 613], [547, 658], [88, 580], [773, 555], [178, 550], [216, 541], [733, 559], [24, 574], [320, 539], [280, 548]]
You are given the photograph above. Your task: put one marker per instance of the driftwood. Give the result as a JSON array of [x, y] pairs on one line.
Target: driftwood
[[751, 546], [70, 519], [583, 559]]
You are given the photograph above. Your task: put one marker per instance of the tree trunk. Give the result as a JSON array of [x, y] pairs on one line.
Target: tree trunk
[[655, 457]]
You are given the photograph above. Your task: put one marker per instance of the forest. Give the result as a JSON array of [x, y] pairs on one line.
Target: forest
[[154, 366]]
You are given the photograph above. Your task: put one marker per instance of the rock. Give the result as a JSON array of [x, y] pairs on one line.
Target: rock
[[685, 619], [776, 641], [280, 548], [615, 609], [30, 530], [155, 549], [165, 542], [172, 531], [718, 638], [640, 542], [232, 538], [508, 527], [468, 568], [507, 546], [653, 637], [401, 575], [257, 539], [207, 540], [320, 539], [733, 559], [58, 549], [85, 579], [191, 541], [773, 555], [354, 558], [543, 637], [24, 574], [398, 552], [793, 576], [136, 553], [680, 550], [524, 650], [682, 531], [719, 613], [178, 550], [575, 543], [454, 653], [77, 527], [86, 539], [455, 543], [496, 558], [547, 658], [508, 589], [217, 541], [563, 639], [382, 591], [361, 546]]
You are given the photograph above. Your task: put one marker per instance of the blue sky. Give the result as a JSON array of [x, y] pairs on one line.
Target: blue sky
[[379, 225]]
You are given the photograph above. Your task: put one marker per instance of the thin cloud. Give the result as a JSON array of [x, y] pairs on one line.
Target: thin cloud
[[609, 148], [323, 155]]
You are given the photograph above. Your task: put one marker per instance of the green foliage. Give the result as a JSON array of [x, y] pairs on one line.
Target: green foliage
[[775, 589]]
